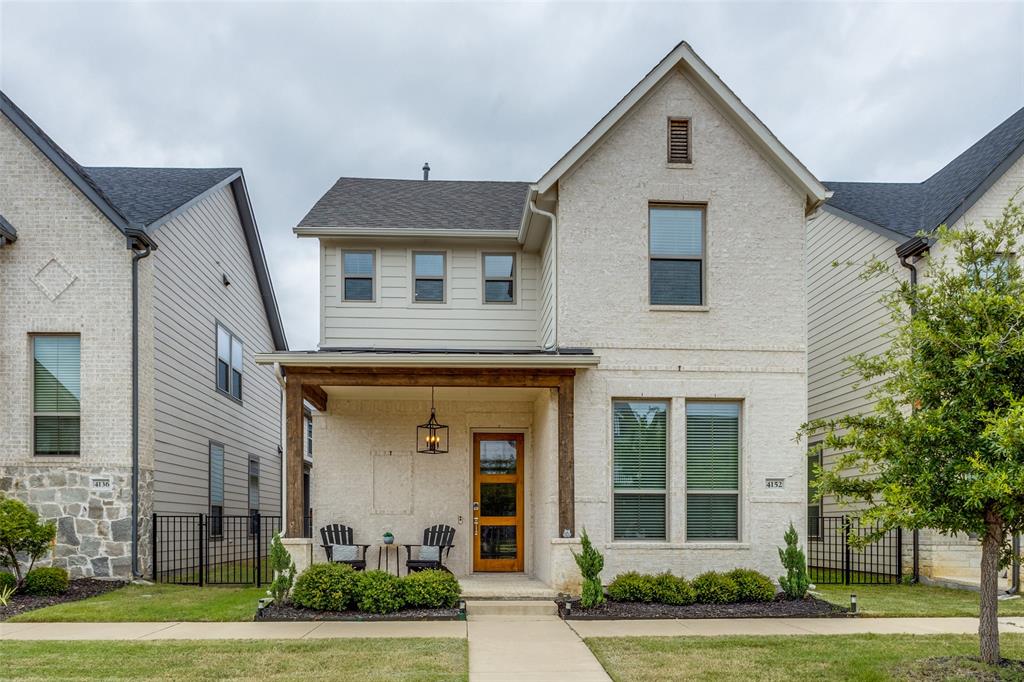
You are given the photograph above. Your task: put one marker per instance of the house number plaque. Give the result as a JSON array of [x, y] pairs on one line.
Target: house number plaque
[[774, 483]]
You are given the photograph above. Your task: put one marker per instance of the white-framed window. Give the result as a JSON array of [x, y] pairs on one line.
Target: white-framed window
[[308, 422], [254, 493], [358, 271], [814, 460], [56, 394], [640, 469], [229, 363], [216, 515], [712, 470], [429, 272], [499, 281], [676, 268]]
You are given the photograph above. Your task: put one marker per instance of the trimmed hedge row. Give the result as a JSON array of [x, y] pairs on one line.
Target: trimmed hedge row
[[337, 587], [739, 585]]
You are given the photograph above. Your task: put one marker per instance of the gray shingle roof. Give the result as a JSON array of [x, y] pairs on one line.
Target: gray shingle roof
[[7, 230], [147, 194], [908, 208], [420, 204]]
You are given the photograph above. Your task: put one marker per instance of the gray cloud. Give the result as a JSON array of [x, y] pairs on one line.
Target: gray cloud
[[298, 94]]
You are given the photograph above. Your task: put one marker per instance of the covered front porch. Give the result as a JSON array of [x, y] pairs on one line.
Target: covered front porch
[[505, 483]]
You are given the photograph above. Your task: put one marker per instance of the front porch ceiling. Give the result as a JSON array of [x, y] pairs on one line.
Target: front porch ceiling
[[316, 384]]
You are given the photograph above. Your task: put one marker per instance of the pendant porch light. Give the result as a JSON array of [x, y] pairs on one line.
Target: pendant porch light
[[432, 437]]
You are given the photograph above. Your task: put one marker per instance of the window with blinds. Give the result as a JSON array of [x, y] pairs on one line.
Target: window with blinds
[[640, 444], [229, 363], [676, 255], [679, 140], [56, 395], [428, 273], [712, 470], [357, 274], [216, 515]]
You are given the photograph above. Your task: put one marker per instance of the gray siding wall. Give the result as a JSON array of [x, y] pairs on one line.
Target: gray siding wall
[[195, 249], [844, 316], [547, 292]]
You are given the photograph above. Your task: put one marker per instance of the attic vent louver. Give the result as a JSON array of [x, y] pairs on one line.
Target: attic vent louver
[[679, 140]]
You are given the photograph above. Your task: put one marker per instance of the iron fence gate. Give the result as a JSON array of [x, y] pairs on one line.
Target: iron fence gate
[[833, 560], [206, 549]]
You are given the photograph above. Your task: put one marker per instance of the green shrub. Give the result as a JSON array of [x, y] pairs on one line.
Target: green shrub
[[8, 580], [672, 589], [590, 563], [632, 586], [326, 587], [379, 592], [430, 589], [753, 586], [21, 534], [47, 581], [715, 588], [796, 581], [282, 569]]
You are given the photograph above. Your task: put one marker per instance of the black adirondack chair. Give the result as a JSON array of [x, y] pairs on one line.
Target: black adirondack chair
[[337, 534], [439, 536]]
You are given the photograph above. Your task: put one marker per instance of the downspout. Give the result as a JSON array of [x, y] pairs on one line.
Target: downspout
[[554, 267], [141, 246], [906, 251]]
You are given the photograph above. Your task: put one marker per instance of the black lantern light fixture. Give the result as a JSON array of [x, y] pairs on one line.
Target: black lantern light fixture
[[432, 437]]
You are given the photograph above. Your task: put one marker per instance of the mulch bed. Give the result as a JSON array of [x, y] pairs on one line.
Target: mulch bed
[[82, 588], [780, 608], [289, 612], [959, 668]]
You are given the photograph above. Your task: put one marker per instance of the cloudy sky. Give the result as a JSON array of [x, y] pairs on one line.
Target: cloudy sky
[[300, 93]]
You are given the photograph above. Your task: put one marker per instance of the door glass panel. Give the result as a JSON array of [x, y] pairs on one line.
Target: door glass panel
[[498, 542], [497, 499], [497, 457]]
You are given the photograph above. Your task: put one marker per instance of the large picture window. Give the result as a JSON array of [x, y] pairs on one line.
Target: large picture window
[[712, 470], [229, 363], [56, 395], [640, 441], [676, 255]]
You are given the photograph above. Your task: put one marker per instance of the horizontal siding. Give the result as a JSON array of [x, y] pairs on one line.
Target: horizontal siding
[[546, 311], [196, 248], [393, 320]]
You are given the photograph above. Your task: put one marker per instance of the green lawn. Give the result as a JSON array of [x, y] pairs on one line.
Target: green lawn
[[155, 603], [772, 659], [913, 600], [367, 660]]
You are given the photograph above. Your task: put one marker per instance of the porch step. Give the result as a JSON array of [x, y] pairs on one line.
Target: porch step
[[509, 607]]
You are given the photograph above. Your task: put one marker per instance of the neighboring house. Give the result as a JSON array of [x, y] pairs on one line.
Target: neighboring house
[[865, 220], [618, 347], [206, 429]]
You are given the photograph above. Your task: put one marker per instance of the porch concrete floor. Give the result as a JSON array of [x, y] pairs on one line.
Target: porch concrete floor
[[505, 586]]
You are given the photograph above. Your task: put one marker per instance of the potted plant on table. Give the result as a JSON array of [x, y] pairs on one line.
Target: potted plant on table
[[388, 538]]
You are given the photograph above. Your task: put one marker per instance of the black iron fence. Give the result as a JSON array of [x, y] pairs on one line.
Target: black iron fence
[[209, 549], [833, 560]]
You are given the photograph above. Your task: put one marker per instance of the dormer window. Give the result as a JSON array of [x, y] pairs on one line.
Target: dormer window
[[679, 140]]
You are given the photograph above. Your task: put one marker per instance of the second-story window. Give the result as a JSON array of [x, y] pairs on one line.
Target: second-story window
[[499, 278], [357, 273], [677, 255], [229, 363], [428, 277]]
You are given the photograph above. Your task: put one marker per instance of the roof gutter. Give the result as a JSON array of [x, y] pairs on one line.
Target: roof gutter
[[403, 232], [371, 359], [554, 266]]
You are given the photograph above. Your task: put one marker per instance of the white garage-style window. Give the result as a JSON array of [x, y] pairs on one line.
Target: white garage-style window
[[640, 442], [712, 470]]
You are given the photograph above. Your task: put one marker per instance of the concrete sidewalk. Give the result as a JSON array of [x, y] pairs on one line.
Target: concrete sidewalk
[[529, 649]]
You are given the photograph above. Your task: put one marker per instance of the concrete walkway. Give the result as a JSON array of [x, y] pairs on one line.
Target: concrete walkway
[[529, 648]]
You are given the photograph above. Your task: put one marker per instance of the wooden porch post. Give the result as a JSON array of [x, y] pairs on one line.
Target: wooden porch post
[[294, 513], [566, 466]]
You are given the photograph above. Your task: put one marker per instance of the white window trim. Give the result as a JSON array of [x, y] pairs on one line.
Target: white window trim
[[626, 542], [32, 398], [515, 278], [375, 285], [232, 338], [703, 306], [740, 481], [445, 278]]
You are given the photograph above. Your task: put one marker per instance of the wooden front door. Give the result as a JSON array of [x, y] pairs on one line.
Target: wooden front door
[[498, 502]]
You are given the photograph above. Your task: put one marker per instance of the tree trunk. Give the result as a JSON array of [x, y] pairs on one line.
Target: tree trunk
[[988, 625]]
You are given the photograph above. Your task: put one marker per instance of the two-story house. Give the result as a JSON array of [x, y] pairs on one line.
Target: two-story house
[[133, 303], [617, 347], [885, 221]]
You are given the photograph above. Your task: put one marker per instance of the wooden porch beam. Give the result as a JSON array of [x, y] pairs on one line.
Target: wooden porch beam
[[316, 396], [294, 434], [361, 378], [566, 459]]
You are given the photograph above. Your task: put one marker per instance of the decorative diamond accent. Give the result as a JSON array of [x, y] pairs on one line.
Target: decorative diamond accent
[[53, 279]]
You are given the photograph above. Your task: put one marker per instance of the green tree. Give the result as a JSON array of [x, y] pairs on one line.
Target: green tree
[[21, 533], [590, 563], [796, 580], [282, 569], [944, 448]]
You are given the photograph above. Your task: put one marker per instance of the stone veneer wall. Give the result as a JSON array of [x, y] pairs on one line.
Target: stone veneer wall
[[93, 526]]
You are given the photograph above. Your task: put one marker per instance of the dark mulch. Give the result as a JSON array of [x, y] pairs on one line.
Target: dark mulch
[[960, 668], [780, 608], [83, 588], [289, 612]]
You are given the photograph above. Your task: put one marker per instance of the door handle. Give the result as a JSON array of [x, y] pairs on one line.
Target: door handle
[[476, 526]]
